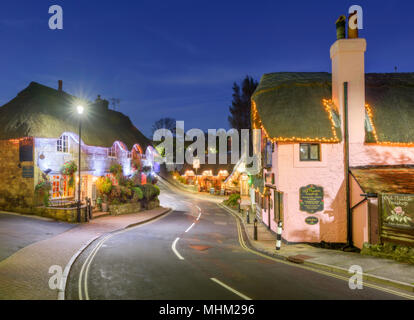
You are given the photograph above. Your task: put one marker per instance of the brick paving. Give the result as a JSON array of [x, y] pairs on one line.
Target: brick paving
[[25, 274]]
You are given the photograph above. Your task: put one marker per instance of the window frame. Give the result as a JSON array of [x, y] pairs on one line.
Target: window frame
[[111, 152], [309, 147], [62, 144]]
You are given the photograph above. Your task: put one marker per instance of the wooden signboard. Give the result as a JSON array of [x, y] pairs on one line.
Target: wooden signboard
[[397, 218], [311, 199]]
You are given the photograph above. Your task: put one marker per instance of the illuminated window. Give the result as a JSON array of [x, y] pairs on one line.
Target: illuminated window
[[112, 152], [129, 155], [63, 144], [310, 152]]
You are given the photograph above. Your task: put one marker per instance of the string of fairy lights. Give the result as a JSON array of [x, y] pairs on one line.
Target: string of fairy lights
[[329, 107], [328, 104]]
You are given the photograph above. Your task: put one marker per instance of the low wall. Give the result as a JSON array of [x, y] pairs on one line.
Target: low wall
[[119, 209], [61, 214]]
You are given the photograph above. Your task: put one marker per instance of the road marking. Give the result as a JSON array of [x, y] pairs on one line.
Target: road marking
[[199, 216], [87, 263], [241, 295], [175, 250], [245, 247], [198, 208], [220, 223], [189, 228], [92, 254]]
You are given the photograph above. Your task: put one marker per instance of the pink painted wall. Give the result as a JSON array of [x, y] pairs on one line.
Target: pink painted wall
[[292, 174], [360, 231]]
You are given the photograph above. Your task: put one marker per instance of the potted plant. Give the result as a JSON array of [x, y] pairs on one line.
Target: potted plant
[[42, 191], [69, 169]]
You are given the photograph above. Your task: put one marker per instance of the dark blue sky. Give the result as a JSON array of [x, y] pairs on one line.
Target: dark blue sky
[[180, 58]]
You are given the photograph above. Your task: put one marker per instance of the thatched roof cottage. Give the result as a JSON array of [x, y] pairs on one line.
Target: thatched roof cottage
[[39, 133], [324, 137]]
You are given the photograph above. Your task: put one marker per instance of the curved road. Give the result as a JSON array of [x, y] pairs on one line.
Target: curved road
[[194, 253]]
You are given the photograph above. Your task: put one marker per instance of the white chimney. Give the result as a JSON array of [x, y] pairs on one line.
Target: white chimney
[[347, 57]]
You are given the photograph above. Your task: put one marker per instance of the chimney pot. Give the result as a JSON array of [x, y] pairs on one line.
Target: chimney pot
[[60, 82]]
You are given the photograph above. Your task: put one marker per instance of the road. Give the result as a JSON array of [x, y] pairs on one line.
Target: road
[[194, 253], [18, 231]]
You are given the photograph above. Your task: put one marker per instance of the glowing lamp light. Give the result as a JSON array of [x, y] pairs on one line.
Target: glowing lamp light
[[80, 109]]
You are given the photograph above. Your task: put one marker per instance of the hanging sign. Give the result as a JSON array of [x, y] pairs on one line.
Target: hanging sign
[[398, 211], [311, 199]]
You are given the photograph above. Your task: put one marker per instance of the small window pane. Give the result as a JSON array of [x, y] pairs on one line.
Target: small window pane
[[314, 152], [304, 151]]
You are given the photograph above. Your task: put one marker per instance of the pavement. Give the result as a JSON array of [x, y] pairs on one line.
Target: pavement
[[25, 274], [18, 231], [378, 270]]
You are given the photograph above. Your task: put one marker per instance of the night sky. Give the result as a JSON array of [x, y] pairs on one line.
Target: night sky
[[180, 58]]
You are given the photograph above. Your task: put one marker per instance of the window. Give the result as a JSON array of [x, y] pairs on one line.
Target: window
[[310, 152], [26, 150], [129, 155], [63, 144], [112, 152]]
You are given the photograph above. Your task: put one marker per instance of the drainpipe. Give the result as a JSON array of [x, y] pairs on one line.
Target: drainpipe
[[346, 152]]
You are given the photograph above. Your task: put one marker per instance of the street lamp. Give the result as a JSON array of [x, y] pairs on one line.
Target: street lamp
[[80, 109]]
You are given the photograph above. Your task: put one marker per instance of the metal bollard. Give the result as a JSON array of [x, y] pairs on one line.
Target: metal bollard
[[279, 236], [247, 216], [255, 229]]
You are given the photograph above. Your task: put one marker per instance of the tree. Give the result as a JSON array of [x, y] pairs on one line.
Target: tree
[[164, 123], [240, 108]]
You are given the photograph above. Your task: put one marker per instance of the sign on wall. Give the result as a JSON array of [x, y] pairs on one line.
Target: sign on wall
[[27, 172], [311, 220], [311, 199], [397, 211]]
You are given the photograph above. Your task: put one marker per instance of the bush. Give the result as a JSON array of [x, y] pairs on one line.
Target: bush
[[150, 192], [138, 195], [233, 199], [117, 170], [104, 185], [42, 191], [389, 251]]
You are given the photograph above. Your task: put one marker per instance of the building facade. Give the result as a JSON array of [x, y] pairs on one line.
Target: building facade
[[319, 128], [39, 135]]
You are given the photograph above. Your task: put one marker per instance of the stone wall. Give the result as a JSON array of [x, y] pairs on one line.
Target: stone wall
[[119, 209], [16, 192], [61, 214]]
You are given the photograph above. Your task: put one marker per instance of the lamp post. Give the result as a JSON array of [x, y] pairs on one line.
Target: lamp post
[[80, 110]]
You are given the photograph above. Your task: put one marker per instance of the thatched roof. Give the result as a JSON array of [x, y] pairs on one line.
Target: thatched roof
[[391, 179], [391, 97], [289, 105], [43, 112]]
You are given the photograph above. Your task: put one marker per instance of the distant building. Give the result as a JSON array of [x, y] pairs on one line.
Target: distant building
[[307, 161], [39, 133]]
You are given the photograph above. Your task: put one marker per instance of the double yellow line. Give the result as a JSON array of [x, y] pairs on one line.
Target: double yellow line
[[329, 274], [83, 275]]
